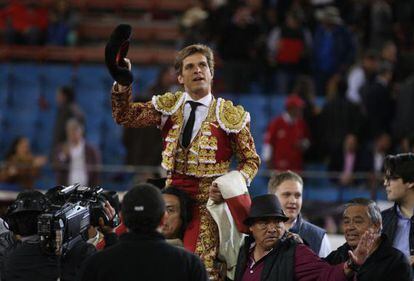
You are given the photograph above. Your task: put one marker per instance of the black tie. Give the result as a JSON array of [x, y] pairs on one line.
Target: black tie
[[188, 130]]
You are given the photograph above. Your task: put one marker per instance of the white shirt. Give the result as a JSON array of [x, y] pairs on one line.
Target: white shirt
[[200, 114], [77, 166], [356, 79]]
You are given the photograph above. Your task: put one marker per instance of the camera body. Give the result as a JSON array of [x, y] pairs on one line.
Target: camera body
[[73, 209]]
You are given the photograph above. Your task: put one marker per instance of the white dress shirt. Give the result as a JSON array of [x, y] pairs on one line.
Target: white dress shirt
[[200, 114], [77, 166]]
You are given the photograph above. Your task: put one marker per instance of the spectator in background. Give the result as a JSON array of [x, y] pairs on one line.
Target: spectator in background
[[286, 138], [380, 23], [333, 47], [238, 45], [360, 75], [75, 160], [288, 187], [398, 220], [339, 117], [67, 108], [193, 25], [289, 48], [378, 102], [21, 166], [142, 250], [384, 262], [348, 161], [403, 126], [25, 22], [62, 24]]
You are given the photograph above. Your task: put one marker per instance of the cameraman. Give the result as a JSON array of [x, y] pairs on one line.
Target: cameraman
[[26, 260]]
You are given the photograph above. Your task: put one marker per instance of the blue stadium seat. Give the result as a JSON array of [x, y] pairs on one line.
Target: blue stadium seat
[[277, 106], [24, 86]]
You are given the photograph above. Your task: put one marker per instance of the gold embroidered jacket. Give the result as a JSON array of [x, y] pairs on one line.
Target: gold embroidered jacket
[[225, 132]]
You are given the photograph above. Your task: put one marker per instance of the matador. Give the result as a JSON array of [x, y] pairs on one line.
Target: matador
[[200, 135]]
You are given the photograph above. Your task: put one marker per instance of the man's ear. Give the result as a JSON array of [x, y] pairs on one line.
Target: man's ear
[[180, 79]]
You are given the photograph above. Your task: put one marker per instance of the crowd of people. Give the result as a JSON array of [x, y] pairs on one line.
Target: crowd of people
[[37, 23], [205, 207]]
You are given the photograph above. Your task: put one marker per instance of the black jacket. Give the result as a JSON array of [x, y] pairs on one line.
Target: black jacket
[[390, 225], [143, 257], [384, 264], [310, 233], [279, 263], [27, 261]]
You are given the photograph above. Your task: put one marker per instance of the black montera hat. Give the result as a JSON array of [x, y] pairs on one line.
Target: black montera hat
[[265, 206]]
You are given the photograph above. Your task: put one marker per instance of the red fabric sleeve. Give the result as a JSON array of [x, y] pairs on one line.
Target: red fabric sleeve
[[239, 207]]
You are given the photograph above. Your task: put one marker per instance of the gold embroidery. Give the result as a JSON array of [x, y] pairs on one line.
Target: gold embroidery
[[231, 118], [168, 103]]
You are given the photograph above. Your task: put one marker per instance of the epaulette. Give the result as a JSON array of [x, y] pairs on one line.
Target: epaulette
[[168, 103], [231, 118]]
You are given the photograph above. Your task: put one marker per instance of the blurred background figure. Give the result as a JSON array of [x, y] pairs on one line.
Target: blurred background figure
[[21, 166], [287, 138], [67, 108], [75, 160]]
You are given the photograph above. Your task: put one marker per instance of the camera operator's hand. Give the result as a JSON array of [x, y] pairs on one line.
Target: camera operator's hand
[[110, 213]]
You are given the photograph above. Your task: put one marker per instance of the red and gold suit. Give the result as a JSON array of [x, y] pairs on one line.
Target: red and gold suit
[[224, 133]]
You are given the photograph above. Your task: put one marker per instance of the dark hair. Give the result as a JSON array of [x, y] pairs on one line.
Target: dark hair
[[186, 204], [400, 166], [143, 208], [68, 93], [194, 49], [278, 178]]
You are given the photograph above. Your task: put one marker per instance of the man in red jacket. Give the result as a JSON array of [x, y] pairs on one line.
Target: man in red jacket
[[287, 137]]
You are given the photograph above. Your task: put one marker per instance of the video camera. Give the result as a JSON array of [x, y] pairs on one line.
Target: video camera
[[73, 209]]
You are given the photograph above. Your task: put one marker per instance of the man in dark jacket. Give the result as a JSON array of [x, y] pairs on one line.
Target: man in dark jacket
[[288, 187], [384, 263], [143, 253], [24, 259], [269, 254], [398, 220]]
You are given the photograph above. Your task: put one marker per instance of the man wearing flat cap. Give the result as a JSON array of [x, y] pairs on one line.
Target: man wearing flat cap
[[270, 254]]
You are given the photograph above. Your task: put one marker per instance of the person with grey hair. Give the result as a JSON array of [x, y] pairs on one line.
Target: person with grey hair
[[384, 263]]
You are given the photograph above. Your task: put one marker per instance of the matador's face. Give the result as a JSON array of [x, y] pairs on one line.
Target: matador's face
[[196, 76]]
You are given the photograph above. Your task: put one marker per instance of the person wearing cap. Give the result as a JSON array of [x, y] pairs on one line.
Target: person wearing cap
[[270, 254], [25, 259], [201, 135], [398, 221], [288, 187], [287, 137], [384, 263], [142, 253]]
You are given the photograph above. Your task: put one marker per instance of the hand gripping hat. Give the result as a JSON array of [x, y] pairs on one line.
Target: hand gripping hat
[[115, 51]]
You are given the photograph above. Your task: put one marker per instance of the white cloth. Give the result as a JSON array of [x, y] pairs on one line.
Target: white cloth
[[231, 185], [326, 248], [77, 166], [200, 115]]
